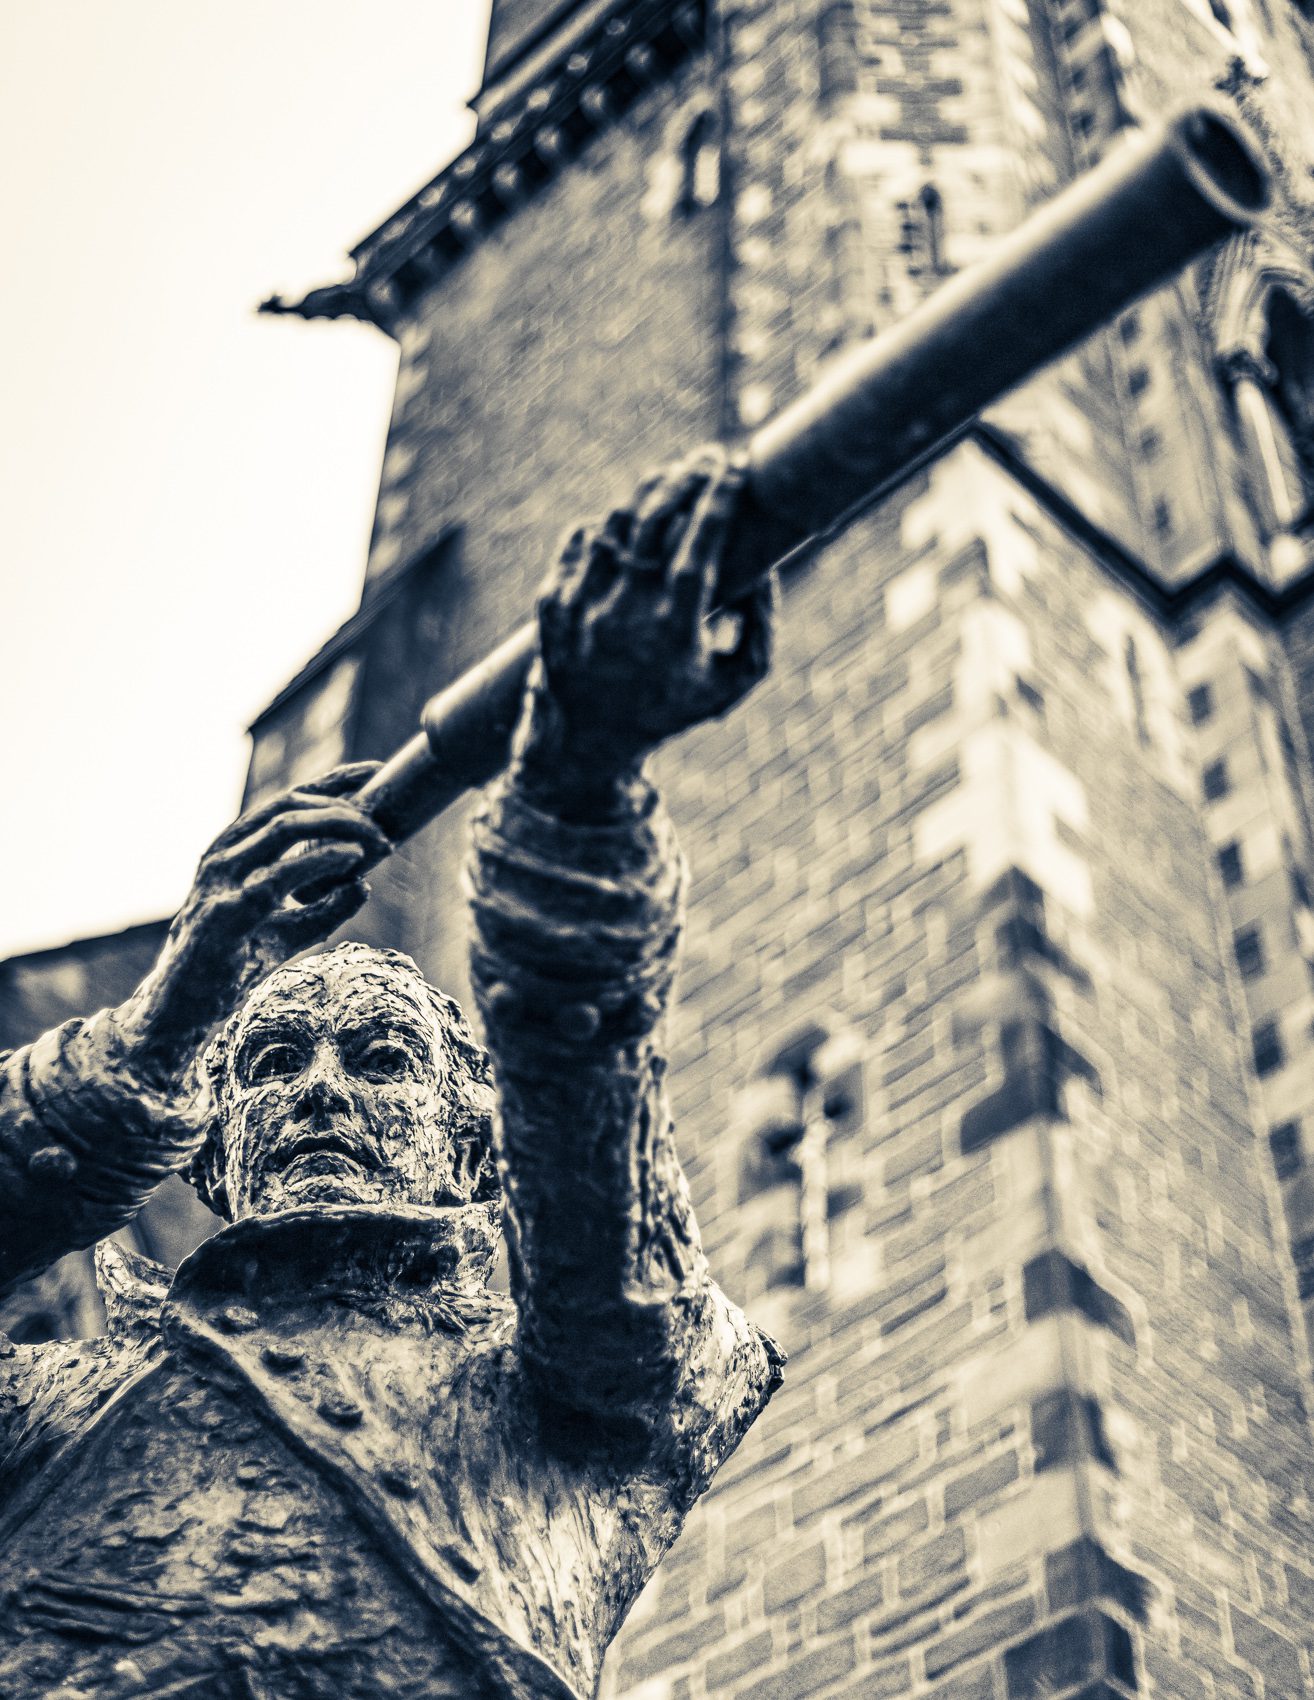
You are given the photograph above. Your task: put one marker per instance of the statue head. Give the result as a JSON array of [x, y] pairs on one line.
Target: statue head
[[346, 1078]]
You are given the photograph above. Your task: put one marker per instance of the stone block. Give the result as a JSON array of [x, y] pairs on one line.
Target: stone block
[[1054, 1282], [738, 1661], [977, 1684], [926, 1566], [667, 1651], [1082, 1573], [856, 1475], [1009, 1372], [1075, 1649], [857, 1600], [889, 1531], [1275, 1658], [1068, 1426], [988, 1631], [1049, 1510], [795, 1577], [965, 1491], [808, 1673]]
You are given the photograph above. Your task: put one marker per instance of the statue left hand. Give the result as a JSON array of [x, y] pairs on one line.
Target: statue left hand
[[628, 652], [282, 877]]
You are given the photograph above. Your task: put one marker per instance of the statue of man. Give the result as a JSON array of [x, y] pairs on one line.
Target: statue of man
[[325, 1459]]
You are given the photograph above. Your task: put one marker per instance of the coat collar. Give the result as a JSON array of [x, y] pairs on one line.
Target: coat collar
[[357, 1251]]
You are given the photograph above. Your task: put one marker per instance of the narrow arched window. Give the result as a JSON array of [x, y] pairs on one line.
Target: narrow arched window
[[805, 1099], [837, 53], [932, 205], [1271, 374], [1136, 684], [700, 165], [1291, 353]]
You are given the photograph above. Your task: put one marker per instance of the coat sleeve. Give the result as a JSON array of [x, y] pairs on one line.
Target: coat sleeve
[[576, 927], [83, 1143]]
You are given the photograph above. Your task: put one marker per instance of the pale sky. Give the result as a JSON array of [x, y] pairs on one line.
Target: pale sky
[[186, 490]]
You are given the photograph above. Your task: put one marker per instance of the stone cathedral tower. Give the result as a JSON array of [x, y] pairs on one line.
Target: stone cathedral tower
[[994, 1061]]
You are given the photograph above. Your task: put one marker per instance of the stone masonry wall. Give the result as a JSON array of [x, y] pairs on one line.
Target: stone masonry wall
[[963, 1067], [1283, 916], [1047, 1423], [560, 360]]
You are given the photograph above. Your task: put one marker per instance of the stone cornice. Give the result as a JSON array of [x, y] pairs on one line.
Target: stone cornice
[[520, 149], [1218, 573]]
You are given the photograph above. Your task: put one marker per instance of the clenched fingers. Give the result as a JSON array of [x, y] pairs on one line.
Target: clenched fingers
[[341, 781], [338, 782], [301, 825], [748, 661], [306, 923], [697, 560], [663, 504], [324, 865]]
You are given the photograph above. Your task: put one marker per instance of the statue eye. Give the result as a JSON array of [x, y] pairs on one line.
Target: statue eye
[[279, 1061], [384, 1060]]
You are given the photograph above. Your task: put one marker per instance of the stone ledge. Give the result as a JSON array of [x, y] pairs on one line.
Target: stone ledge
[[1083, 1648]]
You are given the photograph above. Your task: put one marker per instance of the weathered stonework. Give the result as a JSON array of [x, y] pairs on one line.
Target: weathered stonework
[[1054, 1404]]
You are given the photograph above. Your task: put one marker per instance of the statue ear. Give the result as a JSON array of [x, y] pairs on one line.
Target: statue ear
[[206, 1173], [474, 1170], [489, 1190], [488, 1185], [482, 1104]]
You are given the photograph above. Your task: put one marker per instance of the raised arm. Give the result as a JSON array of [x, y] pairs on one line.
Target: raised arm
[[95, 1114], [577, 883]]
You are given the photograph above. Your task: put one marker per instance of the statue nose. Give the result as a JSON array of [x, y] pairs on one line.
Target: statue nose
[[321, 1098]]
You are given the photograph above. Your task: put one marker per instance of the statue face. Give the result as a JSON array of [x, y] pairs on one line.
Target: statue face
[[341, 1082]]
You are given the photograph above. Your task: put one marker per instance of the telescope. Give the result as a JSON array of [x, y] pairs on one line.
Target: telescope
[[1154, 204]]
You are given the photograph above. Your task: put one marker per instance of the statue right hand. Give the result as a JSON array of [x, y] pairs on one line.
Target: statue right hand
[[282, 877]]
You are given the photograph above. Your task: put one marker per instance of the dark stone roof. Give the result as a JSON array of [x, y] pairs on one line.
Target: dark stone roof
[[524, 140], [516, 27], [41, 988]]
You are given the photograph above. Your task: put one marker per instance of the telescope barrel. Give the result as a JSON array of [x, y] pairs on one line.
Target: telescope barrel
[[1150, 207]]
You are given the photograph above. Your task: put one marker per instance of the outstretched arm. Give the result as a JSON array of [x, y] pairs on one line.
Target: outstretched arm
[[95, 1114], [577, 884]]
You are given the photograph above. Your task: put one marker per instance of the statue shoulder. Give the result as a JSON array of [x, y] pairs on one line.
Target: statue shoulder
[[732, 1369], [50, 1393], [132, 1288]]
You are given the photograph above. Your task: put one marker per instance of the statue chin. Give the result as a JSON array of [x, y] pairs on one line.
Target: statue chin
[[323, 1177], [330, 1178]]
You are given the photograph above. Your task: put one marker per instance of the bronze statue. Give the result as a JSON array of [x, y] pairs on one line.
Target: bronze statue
[[325, 1459]]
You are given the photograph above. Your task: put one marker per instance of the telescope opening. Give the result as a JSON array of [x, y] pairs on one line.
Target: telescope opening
[[1228, 156]]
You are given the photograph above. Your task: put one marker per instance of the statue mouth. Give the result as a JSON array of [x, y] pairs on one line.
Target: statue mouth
[[326, 1151]]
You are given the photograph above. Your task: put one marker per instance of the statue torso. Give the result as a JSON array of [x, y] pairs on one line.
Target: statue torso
[[286, 1460], [187, 1542]]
